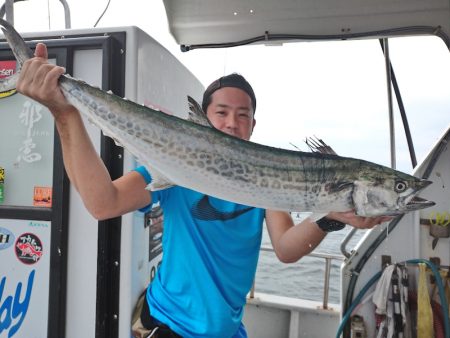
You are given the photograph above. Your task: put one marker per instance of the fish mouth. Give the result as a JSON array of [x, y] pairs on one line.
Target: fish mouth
[[418, 203]]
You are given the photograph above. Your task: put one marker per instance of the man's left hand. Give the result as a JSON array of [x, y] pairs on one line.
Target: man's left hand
[[349, 217]]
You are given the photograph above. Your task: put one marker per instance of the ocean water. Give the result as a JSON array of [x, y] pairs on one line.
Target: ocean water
[[305, 278]]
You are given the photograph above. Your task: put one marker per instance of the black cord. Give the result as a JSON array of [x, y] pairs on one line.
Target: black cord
[[101, 16], [401, 108], [410, 30]]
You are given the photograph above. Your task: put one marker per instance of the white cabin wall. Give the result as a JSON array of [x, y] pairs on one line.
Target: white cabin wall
[[269, 316]]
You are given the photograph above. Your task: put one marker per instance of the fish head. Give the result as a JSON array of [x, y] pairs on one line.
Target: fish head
[[387, 192]]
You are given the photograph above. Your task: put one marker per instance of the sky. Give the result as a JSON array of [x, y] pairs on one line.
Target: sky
[[335, 91]]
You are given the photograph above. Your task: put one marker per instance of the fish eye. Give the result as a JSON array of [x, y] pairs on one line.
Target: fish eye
[[400, 186]]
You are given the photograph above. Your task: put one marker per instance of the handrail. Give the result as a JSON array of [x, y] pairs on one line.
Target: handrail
[[8, 9], [345, 241], [326, 286], [67, 21]]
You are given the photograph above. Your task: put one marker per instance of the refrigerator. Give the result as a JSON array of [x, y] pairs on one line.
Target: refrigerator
[[63, 273]]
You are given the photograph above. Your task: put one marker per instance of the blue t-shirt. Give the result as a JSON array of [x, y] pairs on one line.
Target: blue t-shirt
[[210, 252]]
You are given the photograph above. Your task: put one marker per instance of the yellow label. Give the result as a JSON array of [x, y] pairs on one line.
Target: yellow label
[[7, 93]]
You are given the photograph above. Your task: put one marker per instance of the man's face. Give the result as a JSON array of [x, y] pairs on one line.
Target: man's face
[[231, 111]]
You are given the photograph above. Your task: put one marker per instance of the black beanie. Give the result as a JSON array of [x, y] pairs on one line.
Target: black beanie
[[233, 80]]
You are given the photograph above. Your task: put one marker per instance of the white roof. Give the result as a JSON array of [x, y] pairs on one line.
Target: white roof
[[198, 22]]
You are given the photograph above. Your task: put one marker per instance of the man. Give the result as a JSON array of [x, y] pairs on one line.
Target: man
[[211, 246]]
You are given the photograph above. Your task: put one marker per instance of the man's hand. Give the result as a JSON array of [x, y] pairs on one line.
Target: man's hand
[[39, 80], [349, 217]]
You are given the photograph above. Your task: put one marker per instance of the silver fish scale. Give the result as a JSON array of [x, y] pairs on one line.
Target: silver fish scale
[[205, 159]]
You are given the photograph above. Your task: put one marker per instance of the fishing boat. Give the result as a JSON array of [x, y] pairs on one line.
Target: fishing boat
[[64, 279]]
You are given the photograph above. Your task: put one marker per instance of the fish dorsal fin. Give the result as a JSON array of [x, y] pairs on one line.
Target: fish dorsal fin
[[317, 145], [196, 113]]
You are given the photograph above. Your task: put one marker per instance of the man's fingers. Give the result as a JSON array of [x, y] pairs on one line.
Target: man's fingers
[[370, 222], [52, 76]]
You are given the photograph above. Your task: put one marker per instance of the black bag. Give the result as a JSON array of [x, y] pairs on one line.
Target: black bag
[[144, 326]]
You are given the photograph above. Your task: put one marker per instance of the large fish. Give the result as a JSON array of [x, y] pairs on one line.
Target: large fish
[[199, 157]]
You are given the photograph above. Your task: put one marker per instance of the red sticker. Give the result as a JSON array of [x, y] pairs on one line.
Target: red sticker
[[28, 248], [7, 68]]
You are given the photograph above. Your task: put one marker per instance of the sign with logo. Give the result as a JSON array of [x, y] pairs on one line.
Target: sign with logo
[[29, 248], [27, 152], [24, 277], [7, 68]]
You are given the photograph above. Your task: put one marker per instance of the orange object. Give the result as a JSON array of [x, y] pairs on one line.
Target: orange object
[[42, 197]]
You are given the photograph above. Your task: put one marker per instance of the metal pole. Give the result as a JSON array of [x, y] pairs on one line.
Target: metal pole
[[66, 13], [326, 284], [345, 242], [389, 92]]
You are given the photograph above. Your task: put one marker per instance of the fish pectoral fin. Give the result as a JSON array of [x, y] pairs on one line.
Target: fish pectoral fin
[[159, 181], [340, 185], [156, 186], [159, 185], [196, 113]]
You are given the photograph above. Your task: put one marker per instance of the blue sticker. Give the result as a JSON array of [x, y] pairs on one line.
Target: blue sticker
[[6, 238]]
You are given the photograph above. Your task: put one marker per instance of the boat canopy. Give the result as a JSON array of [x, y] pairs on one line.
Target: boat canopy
[[219, 23]]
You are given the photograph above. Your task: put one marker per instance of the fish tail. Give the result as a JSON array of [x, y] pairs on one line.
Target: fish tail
[[20, 50]]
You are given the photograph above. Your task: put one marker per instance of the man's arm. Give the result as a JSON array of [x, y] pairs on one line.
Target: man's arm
[[292, 242], [87, 172]]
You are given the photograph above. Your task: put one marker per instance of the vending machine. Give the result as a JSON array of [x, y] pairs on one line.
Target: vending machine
[[63, 273]]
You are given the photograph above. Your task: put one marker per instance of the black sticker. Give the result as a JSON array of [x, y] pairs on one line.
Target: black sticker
[[28, 248]]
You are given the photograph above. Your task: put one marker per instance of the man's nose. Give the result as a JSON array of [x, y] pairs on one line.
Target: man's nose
[[231, 121]]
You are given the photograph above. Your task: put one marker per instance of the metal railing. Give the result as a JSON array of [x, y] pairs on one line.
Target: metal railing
[[326, 284], [8, 9]]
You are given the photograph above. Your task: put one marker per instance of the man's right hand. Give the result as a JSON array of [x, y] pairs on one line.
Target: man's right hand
[[39, 80]]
